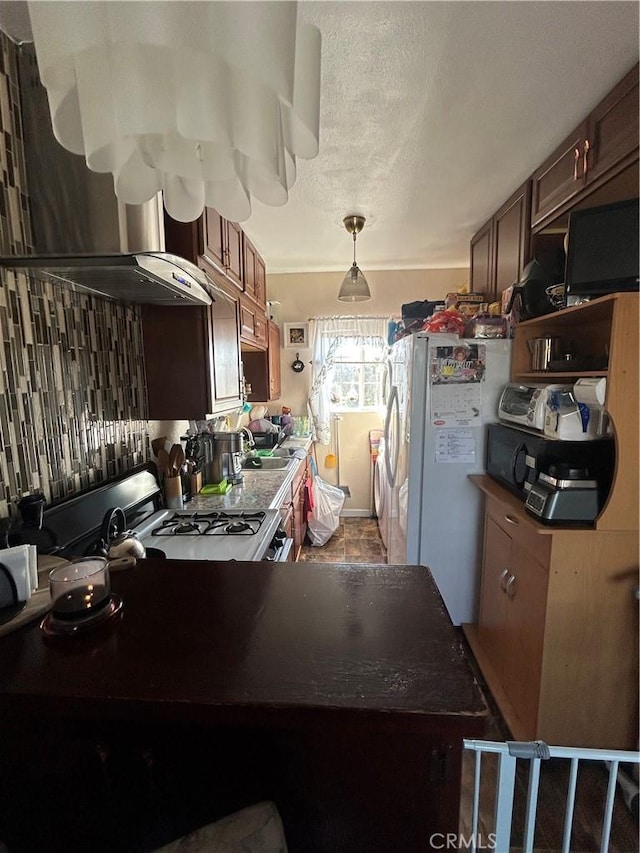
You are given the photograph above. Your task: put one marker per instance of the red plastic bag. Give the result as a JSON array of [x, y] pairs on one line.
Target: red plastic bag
[[449, 321]]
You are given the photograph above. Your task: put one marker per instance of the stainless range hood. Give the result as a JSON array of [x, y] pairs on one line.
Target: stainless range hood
[[144, 277], [83, 237]]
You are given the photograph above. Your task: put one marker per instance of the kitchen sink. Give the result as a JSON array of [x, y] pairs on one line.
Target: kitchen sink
[[269, 463], [284, 452]]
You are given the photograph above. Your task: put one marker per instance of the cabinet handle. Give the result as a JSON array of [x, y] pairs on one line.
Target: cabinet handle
[[511, 587], [576, 160], [585, 155], [504, 574], [511, 519]]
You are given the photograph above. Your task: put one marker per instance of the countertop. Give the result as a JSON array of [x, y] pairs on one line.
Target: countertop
[[259, 489], [342, 693], [196, 639]]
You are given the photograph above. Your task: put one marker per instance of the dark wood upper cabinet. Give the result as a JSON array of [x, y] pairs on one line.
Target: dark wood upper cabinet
[[614, 129], [602, 146], [262, 368], [499, 250], [250, 257], [185, 239], [215, 242], [261, 281], [192, 359], [234, 246], [511, 240], [560, 178], [481, 260], [223, 245]]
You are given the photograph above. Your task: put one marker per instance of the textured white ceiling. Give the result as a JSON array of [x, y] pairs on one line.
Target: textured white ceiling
[[432, 113]]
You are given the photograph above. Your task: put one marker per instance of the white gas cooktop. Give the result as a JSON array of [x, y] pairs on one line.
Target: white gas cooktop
[[218, 535]]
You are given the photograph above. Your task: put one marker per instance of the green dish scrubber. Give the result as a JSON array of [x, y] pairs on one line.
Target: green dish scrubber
[[220, 488]]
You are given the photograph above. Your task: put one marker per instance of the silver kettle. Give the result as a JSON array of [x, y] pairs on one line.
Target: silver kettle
[[116, 542]]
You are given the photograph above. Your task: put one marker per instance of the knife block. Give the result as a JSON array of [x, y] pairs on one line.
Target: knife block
[[196, 483]]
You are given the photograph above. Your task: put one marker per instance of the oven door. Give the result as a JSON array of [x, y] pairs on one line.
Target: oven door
[[279, 549], [285, 552]]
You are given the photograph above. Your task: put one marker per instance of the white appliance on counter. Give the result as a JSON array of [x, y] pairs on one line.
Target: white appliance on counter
[[444, 391]]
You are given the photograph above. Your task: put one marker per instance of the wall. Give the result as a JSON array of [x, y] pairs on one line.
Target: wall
[[72, 389], [303, 296]]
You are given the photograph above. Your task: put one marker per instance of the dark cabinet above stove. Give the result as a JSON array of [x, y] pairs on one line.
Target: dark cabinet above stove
[[192, 359]]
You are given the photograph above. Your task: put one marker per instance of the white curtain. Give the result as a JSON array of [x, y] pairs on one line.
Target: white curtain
[[327, 334]]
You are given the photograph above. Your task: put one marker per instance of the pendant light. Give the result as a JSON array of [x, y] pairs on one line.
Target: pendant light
[[354, 287]]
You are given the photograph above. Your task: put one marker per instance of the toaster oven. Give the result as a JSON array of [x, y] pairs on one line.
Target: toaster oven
[[526, 405]]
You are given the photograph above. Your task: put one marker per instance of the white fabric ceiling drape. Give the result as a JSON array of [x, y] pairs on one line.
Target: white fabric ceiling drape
[[328, 333], [209, 102]]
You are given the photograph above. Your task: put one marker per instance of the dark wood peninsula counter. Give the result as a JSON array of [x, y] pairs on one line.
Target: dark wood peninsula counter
[[340, 692]]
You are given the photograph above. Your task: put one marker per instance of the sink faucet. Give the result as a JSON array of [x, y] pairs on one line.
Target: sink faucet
[[249, 439]]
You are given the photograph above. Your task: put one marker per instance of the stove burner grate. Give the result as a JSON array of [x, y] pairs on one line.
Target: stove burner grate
[[211, 523]]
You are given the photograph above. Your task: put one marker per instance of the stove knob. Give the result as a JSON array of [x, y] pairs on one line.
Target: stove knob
[[278, 538]]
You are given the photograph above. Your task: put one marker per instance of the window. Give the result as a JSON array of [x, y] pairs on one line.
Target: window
[[357, 378], [347, 368]]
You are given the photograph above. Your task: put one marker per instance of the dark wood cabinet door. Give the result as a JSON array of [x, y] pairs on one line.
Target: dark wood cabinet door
[[214, 237], [192, 359], [234, 247], [273, 356], [177, 346], [247, 322], [249, 267], [262, 367], [481, 262], [613, 130], [185, 239], [261, 281], [511, 239], [261, 330], [224, 357], [560, 178]]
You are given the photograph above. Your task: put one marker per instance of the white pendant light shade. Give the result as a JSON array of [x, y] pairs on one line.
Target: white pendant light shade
[[354, 287], [210, 102]]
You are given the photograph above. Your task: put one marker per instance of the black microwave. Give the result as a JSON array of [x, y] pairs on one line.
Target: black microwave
[[515, 457]]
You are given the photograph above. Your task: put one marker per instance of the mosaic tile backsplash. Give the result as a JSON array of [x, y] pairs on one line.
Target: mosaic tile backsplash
[[73, 408]]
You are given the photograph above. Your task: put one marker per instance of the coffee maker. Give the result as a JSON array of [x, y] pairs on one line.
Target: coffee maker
[[223, 459]]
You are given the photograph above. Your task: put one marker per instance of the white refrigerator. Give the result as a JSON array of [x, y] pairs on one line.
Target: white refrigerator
[[441, 394]]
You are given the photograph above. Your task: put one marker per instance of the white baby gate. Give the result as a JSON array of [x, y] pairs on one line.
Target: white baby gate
[[535, 752]]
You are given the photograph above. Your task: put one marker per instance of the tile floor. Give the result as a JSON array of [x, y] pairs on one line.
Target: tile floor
[[357, 540]]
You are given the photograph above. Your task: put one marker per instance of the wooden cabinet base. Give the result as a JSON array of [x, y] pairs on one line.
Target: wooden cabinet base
[[568, 673]]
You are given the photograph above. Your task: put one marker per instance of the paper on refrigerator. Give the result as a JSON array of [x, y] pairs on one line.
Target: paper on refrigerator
[[455, 378]]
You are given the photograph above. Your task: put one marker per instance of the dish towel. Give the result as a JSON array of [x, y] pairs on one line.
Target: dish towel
[[309, 503]]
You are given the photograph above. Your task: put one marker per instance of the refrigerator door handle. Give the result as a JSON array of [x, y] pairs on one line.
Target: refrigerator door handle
[[387, 381], [392, 447]]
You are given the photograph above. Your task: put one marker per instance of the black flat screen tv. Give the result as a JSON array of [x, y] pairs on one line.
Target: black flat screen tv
[[603, 251]]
